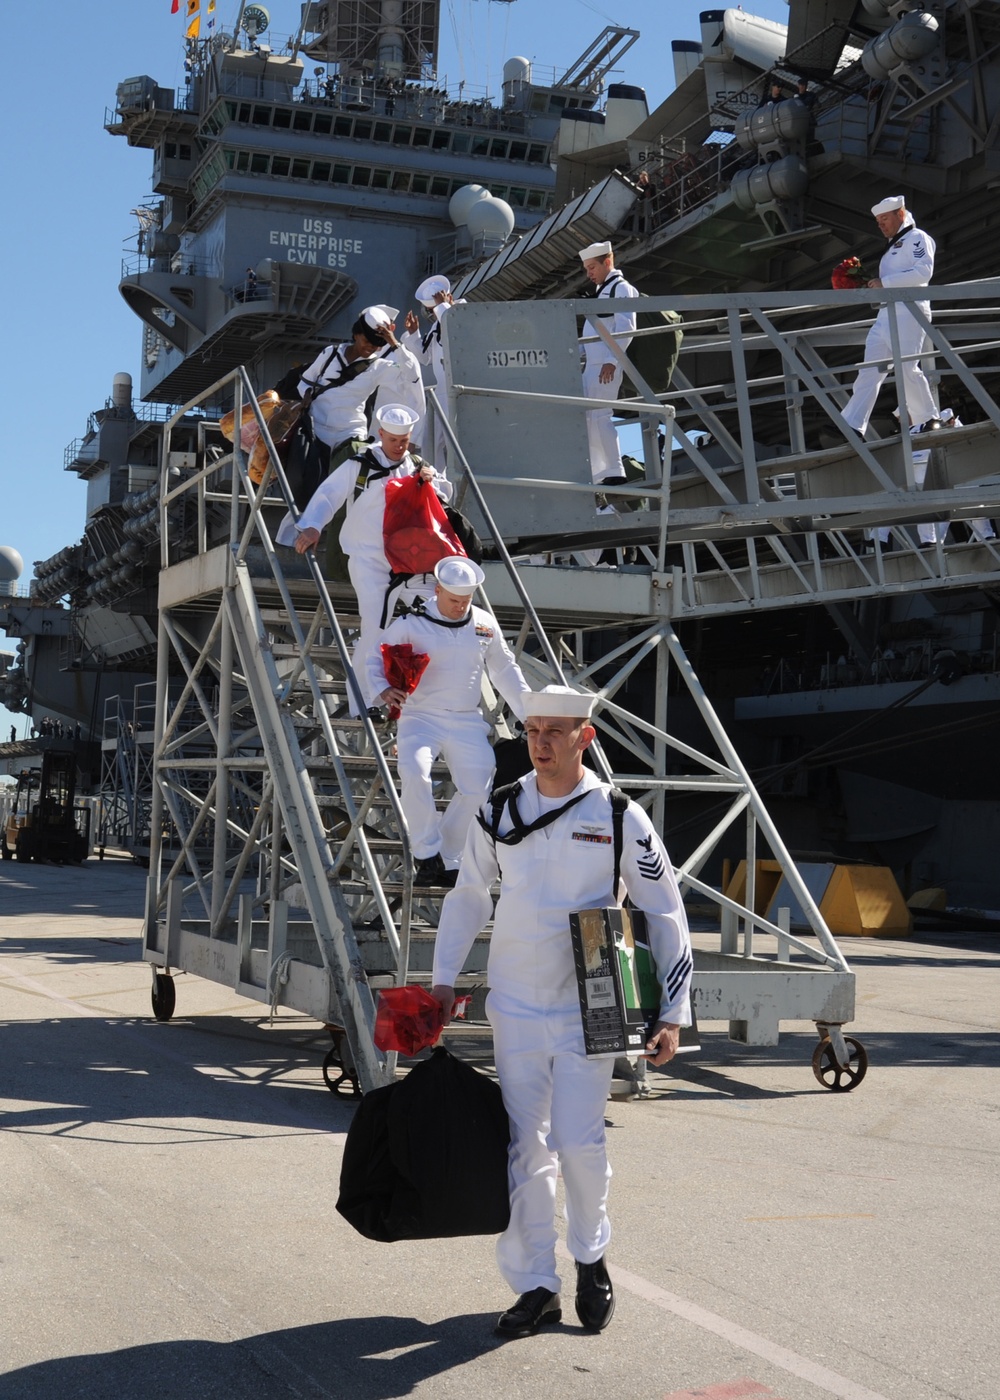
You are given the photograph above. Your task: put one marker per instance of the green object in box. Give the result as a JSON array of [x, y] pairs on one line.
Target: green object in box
[[616, 978]]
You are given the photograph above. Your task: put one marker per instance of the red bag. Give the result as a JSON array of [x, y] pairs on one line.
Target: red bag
[[407, 1019], [403, 668], [415, 530]]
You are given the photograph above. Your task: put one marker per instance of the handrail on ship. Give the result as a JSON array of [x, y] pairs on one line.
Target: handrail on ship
[[245, 529], [731, 774]]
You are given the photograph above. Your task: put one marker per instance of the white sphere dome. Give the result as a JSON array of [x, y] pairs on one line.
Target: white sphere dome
[[463, 200], [11, 564], [491, 218]]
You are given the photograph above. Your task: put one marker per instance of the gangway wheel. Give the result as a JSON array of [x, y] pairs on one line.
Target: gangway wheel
[[163, 996], [841, 1079], [339, 1073]]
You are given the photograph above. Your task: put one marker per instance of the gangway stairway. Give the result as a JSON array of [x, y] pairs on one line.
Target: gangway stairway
[[299, 805]]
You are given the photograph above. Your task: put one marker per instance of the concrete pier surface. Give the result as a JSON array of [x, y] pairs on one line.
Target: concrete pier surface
[[168, 1191]]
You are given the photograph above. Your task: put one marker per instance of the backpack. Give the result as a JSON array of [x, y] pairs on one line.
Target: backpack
[[654, 356]]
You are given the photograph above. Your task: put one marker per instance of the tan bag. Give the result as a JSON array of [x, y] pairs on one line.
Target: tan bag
[[267, 402], [280, 423]]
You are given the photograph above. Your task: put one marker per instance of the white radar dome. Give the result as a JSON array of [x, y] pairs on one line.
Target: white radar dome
[[462, 202], [517, 70], [11, 564], [491, 218]]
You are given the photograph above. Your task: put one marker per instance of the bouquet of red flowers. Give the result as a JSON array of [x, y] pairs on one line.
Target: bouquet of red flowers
[[403, 669], [847, 275], [407, 1019]]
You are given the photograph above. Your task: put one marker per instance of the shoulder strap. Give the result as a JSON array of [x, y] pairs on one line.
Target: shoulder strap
[[370, 469], [498, 798], [519, 828], [619, 801]]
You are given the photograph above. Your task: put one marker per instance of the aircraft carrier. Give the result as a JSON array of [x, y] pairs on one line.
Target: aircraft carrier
[[775, 681]]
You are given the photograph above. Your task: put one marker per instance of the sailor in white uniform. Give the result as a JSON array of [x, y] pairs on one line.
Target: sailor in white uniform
[[602, 375], [361, 534], [434, 293], [908, 261], [442, 716], [554, 848], [343, 377]]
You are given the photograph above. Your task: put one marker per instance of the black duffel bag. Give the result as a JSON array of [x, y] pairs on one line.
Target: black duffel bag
[[426, 1157]]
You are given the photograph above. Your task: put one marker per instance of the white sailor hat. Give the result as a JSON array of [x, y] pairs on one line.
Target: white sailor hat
[[457, 574], [396, 418], [379, 316], [889, 205], [558, 700], [596, 250], [431, 287]]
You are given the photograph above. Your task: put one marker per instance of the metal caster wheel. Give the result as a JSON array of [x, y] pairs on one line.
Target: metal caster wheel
[[339, 1080], [837, 1077], [163, 996]]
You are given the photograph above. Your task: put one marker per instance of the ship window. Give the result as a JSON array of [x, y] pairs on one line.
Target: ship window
[[480, 145], [230, 157], [322, 123], [457, 185], [343, 126], [518, 197], [341, 174], [302, 121], [519, 150], [185, 152], [383, 131], [280, 165], [321, 169], [400, 179], [539, 102], [300, 170], [401, 136], [460, 142], [380, 179], [230, 109], [259, 163], [363, 130], [244, 111], [242, 160], [499, 148], [421, 136], [441, 139], [440, 185], [360, 175], [537, 199], [420, 183], [556, 104], [536, 155], [282, 117], [262, 116]]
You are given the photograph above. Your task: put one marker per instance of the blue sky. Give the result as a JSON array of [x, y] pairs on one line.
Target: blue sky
[[71, 188]]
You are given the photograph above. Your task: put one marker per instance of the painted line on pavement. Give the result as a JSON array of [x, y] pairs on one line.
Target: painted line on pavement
[[738, 1336]]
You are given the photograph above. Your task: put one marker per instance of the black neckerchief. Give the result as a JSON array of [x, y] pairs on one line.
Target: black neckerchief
[[419, 609], [433, 334], [891, 242], [613, 278], [520, 828]]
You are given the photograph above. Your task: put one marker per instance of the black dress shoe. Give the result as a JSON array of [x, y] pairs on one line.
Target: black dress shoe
[[595, 1298], [432, 871], [539, 1308]]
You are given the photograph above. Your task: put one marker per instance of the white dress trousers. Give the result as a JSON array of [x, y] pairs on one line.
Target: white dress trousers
[[908, 263]]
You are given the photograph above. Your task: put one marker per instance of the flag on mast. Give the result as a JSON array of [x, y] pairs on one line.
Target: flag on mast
[[192, 31], [211, 14], [175, 6]]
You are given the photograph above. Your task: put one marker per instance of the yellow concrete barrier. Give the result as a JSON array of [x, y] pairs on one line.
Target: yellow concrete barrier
[[865, 900]]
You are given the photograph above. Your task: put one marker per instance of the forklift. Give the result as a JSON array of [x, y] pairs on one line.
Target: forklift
[[45, 822]]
